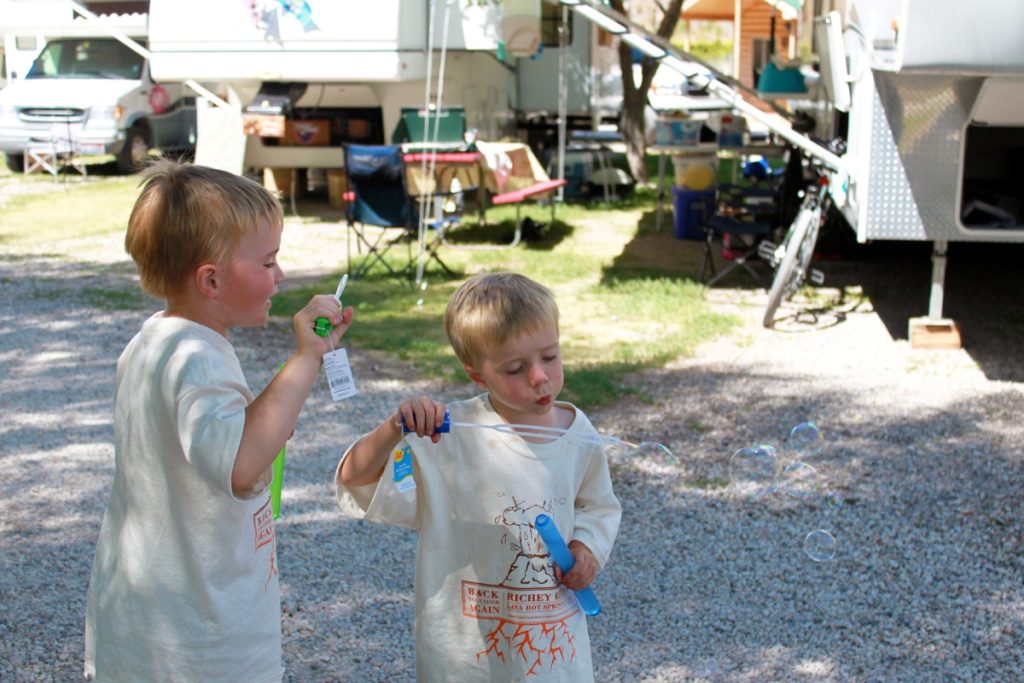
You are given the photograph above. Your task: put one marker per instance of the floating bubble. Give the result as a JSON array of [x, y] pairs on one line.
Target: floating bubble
[[800, 480], [833, 501], [805, 440], [820, 545], [619, 452], [423, 286], [419, 302], [754, 470], [658, 452]]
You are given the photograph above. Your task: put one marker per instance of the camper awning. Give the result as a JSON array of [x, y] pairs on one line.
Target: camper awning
[[723, 10]]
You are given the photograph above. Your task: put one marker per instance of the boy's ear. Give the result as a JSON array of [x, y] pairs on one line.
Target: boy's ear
[[207, 282], [474, 376]]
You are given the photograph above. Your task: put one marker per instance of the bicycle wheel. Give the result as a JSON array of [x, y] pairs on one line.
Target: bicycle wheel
[[792, 269]]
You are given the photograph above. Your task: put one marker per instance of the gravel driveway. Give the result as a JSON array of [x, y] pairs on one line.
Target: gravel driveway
[[924, 458]]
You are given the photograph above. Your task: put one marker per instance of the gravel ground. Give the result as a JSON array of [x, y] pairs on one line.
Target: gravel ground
[[923, 456]]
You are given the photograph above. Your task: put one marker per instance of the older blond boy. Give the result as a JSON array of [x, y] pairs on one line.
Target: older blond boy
[[489, 604], [184, 583]]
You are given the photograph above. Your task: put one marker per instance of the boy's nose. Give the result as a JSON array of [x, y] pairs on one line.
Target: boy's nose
[[537, 376]]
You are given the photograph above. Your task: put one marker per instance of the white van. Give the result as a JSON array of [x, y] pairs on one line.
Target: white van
[[95, 95]]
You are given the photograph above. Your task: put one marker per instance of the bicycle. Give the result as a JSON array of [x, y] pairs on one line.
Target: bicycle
[[791, 260]]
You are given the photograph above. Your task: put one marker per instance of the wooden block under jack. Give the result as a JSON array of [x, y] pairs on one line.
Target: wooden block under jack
[[934, 333]]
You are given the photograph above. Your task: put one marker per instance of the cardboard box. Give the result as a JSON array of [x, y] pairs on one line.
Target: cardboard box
[[281, 180], [263, 125], [337, 186], [307, 132]]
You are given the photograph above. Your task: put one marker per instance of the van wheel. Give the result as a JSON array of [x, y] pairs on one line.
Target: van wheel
[[135, 152], [15, 162]]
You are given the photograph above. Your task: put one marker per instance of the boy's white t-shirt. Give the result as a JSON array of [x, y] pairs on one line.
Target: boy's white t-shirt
[[184, 583], [488, 607]]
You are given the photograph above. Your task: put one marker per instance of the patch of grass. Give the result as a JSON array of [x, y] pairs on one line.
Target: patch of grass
[[389, 318], [627, 292], [623, 307], [79, 210], [706, 483]]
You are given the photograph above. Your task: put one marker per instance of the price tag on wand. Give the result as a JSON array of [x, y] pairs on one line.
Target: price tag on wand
[[339, 372]]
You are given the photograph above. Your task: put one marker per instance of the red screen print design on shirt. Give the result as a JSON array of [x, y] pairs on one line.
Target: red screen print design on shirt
[[531, 610], [263, 530]]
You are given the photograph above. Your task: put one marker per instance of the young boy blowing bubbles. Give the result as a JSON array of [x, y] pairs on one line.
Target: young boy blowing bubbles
[[489, 604], [184, 583]]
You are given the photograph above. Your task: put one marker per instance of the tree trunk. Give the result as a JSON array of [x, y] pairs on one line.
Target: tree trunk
[[634, 95]]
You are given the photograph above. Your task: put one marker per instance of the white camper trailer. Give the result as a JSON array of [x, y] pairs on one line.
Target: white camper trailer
[[349, 75], [933, 96], [350, 72]]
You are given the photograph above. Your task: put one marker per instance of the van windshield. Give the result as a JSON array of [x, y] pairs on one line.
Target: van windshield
[[87, 58]]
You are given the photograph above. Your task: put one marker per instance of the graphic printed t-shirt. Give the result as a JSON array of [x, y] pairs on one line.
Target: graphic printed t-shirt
[[488, 606], [184, 583]]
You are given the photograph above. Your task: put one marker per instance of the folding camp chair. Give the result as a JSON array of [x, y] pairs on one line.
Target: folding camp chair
[[380, 198], [376, 175], [747, 215]]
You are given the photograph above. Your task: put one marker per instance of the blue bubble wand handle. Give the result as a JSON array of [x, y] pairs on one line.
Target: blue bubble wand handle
[[563, 558]]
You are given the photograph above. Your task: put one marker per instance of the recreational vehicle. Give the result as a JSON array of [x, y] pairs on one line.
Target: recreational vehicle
[[75, 88], [927, 97], [348, 76]]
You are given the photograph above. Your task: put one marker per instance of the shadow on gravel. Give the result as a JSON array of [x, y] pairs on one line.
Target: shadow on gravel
[[983, 293]]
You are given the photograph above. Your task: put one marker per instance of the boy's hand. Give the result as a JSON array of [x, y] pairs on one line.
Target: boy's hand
[[584, 571], [320, 306], [422, 415]]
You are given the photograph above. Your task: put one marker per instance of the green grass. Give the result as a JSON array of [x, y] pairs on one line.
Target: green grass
[[627, 294], [80, 210], [627, 290]]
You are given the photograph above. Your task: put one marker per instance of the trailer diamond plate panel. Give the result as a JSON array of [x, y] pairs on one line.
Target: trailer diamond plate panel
[[916, 150]]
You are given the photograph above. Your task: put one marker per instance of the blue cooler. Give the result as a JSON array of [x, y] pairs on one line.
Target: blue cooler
[[692, 210]]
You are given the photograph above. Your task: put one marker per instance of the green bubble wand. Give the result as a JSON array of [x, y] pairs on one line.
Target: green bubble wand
[[275, 484], [323, 328]]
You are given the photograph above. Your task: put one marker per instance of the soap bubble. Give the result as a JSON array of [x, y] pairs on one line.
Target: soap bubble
[[833, 501], [805, 440], [754, 469], [423, 286], [820, 545], [618, 451], [658, 452], [419, 303], [800, 480]]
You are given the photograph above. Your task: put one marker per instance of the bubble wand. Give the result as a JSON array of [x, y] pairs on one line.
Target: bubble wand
[[537, 431], [562, 556], [323, 325], [322, 328], [275, 483]]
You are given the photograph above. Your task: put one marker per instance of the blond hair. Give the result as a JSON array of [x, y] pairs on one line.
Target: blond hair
[[490, 308], [188, 215]]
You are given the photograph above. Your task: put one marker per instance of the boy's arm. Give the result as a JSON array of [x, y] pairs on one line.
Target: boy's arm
[[270, 419], [597, 516], [365, 462]]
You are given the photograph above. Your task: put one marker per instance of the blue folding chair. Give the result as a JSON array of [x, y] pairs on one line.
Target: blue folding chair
[[380, 198], [376, 175]]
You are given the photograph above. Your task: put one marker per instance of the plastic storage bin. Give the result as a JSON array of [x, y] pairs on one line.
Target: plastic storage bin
[[692, 209]]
